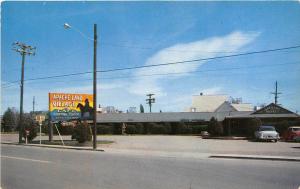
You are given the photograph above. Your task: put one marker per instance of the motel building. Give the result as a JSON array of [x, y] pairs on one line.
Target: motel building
[[234, 115]]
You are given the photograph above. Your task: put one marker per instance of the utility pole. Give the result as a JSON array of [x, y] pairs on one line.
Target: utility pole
[[95, 89], [150, 100], [33, 103], [276, 93], [67, 26], [24, 50]]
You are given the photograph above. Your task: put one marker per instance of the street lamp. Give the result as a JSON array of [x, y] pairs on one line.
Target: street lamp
[[67, 26]]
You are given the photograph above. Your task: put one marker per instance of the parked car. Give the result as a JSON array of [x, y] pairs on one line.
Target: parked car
[[266, 133], [292, 134], [204, 134]]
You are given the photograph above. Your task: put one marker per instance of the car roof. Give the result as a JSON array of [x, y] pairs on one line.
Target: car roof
[[267, 126]]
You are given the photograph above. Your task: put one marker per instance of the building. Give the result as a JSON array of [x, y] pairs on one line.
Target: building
[[271, 114], [206, 103], [217, 103], [132, 110], [229, 107], [107, 110], [234, 121]]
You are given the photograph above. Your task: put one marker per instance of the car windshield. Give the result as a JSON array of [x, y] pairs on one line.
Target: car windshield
[[296, 129], [267, 129]]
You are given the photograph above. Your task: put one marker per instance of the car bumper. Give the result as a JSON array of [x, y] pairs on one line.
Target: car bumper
[[269, 138], [296, 138]]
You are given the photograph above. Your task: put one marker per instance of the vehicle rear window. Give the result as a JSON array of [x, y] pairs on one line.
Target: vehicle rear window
[[267, 129]]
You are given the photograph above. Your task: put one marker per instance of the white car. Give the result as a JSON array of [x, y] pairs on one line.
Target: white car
[[267, 133]]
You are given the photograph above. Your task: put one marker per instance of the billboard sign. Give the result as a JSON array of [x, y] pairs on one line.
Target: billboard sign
[[64, 106]]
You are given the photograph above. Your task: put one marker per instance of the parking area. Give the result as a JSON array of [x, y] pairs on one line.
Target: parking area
[[195, 144], [187, 144]]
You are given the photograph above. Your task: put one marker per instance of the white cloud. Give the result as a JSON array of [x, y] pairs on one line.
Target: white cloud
[[89, 87], [125, 93], [186, 51]]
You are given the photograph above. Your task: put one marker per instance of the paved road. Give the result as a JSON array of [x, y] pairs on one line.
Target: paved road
[[31, 167]]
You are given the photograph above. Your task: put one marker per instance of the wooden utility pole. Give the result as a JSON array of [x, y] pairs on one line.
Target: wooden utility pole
[[276, 93], [150, 101], [33, 103], [95, 89], [24, 50]]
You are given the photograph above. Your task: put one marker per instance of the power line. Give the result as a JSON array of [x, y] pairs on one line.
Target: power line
[[165, 49], [200, 71], [57, 59], [178, 73], [166, 64], [202, 59]]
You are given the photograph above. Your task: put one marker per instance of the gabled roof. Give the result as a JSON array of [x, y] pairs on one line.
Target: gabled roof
[[273, 109], [208, 103], [243, 107], [226, 107]]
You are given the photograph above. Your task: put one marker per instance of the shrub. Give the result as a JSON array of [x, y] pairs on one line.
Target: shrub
[[185, 129], [9, 120], [197, 129], [159, 129], [66, 130], [140, 128], [131, 129], [29, 124], [174, 128], [146, 128], [82, 132], [282, 126], [117, 129], [104, 129], [252, 126], [215, 128]]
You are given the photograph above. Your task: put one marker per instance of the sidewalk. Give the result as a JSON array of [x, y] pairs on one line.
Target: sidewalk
[[54, 146]]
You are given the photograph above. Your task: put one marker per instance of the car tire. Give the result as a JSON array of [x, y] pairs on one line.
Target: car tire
[[275, 140]]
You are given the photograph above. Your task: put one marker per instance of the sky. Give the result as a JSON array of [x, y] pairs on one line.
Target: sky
[[134, 34]]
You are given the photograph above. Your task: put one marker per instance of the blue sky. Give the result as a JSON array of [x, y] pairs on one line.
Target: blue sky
[[147, 33]]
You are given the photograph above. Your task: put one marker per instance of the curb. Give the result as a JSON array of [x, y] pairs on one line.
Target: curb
[[274, 158], [226, 138], [52, 146]]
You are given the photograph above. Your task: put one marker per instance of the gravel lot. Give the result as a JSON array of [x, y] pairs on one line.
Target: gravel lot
[[188, 144]]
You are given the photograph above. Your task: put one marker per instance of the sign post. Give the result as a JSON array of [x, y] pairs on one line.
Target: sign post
[[26, 136], [40, 133], [40, 119]]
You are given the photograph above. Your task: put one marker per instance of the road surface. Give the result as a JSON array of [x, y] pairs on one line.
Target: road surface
[[35, 168]]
